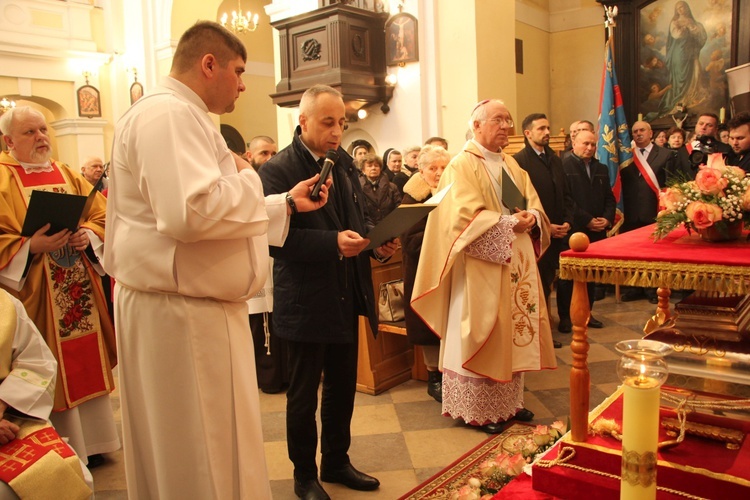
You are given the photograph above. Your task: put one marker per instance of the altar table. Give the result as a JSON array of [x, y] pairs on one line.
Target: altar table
[[679, 261]]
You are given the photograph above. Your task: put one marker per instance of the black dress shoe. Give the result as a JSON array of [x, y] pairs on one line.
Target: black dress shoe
[[95, 461], [349, 477], [565, 326], [493, 428], [556, 344], [595, 323], [435, 385], [524, 415], [310, 489]]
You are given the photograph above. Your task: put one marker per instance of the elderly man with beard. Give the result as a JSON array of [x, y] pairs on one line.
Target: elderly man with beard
[[56, 276]]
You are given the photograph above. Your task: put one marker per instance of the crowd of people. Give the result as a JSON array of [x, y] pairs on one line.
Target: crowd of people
[[228, 277]]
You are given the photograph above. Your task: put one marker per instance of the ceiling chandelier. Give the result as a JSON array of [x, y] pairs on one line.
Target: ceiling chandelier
[[6, 104], [240, 22]]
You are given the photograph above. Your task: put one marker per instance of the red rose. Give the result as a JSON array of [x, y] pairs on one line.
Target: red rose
[[77, 312], [75, 291], [58, 275], [68, 319]]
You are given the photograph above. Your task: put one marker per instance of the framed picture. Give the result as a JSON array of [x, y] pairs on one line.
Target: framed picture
[[136, 92], [684, 47], [89, 103], [401, 44]]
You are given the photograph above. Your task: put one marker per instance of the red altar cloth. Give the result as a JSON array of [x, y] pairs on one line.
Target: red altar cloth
[[697, 466], [679, 261]]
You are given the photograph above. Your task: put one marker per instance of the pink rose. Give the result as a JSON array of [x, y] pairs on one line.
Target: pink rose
[[746, 199], [710, 181], [515, 465], [738, 172], [670, 198], [703, 215], [716, 161]]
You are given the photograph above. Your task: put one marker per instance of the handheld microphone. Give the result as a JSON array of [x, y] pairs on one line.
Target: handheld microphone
[[331, 158]]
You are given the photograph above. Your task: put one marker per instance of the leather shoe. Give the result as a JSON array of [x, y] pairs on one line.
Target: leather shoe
[[565, 326], [595, 323], [435, 385], [556, 344], [493, 428], [310, 489], [350, 477], [524, 415]]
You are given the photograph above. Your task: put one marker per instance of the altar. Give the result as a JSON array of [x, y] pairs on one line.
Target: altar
[[678, 262]]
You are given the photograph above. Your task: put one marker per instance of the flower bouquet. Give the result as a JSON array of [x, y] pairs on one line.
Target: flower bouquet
[[497, 471], [716, 204]]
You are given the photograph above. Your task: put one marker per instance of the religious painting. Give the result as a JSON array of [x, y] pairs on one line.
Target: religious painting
[[89, 103], [136, 92], [684, 48], [401, 44]]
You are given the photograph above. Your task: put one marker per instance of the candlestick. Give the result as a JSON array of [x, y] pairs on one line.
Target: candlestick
[[640, 117], [722, 114], [642, 371]]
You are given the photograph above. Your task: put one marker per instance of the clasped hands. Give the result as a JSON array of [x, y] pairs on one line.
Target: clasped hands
[[598, 224], [42, 243], [526, 221]]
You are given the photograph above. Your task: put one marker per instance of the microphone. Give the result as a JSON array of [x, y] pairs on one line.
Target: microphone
[[331, 158]]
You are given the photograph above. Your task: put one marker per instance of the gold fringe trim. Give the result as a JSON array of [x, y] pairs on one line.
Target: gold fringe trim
[[675, 276]]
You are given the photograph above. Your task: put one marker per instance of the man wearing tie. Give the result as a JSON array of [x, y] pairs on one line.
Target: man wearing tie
[[588, 184], [641, 181]]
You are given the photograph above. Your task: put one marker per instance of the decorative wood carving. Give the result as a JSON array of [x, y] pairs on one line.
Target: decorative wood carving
[[338, 45]]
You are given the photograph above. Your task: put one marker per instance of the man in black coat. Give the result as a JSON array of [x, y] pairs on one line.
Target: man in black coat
[[322, 283], [546, 172], [739, 139], [588, 184], [707, 127], [641, 181]]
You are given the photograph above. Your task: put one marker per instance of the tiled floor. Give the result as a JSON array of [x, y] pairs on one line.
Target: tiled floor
[[401, 438]]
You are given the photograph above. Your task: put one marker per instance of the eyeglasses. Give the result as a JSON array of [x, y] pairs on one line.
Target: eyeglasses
[[501, 121]]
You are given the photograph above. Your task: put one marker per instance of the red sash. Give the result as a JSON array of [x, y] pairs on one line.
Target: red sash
[[689, 147], [644, 174]]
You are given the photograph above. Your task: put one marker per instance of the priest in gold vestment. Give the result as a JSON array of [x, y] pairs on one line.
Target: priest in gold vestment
[[55, 277], [477, 284]]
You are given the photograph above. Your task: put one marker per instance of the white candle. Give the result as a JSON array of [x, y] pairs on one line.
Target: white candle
[[722, 114], [640, 117], [640, 437]]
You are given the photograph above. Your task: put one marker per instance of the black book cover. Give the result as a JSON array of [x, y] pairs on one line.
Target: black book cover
[[61, 210]]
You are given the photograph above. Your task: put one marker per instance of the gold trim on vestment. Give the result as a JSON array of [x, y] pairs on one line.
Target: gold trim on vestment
[[675, 276]]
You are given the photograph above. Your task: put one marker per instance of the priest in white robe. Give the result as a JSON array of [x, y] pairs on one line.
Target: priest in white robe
[[188, 236], [478, 288]]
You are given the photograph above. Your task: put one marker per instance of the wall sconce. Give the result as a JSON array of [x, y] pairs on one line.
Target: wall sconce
[[362, 114], [6, 104], [240, 22], [391, 79]]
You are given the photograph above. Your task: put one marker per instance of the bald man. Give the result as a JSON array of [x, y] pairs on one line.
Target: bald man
[[588, 184], [92, 170]]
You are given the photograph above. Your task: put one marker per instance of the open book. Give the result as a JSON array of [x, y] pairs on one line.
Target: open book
[[401, 219], [61, 210]]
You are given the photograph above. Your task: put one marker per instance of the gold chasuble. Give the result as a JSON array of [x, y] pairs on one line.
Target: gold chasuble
[[62, 293], [500, 319]]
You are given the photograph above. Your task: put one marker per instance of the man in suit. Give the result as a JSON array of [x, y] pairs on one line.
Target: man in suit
[[545, 170], [575, 127], [641, 181], [322, 284], [588, 184], [739, 139], [706, 126]]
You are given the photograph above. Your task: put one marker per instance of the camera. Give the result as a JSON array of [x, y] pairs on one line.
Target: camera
[[699, 155]]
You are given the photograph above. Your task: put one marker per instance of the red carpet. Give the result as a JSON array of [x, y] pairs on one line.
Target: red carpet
[[458, 473]]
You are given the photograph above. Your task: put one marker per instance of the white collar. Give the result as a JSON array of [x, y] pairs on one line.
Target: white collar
[[34, 168]]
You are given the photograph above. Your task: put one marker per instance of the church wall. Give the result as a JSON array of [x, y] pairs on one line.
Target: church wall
[[534, 84], [496, 60], [576, 61]]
